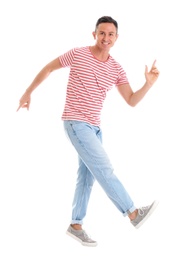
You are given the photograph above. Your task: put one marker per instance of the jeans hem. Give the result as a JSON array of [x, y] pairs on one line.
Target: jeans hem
[[132, 209], [80, 222]]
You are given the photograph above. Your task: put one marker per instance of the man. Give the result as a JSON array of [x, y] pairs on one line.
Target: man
[[93, 71]]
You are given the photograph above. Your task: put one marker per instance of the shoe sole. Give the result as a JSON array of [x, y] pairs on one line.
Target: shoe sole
[[79, 240], [155, 204]]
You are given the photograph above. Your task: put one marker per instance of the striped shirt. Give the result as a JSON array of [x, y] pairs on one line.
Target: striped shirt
[[88, 83]]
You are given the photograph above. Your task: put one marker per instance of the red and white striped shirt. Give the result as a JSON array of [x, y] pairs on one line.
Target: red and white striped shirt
[[89, 81]]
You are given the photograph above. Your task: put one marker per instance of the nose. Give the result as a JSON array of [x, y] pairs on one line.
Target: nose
[[106, 37]]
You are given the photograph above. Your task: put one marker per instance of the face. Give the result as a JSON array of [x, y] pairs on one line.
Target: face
[[105, 35]]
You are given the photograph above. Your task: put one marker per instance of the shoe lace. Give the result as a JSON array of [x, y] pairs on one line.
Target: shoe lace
[[142, 210], [86, 236]]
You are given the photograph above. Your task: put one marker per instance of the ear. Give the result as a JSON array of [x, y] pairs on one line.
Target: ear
[[94, 35]]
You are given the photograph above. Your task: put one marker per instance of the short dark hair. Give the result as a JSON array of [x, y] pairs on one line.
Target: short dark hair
[[107, 19]]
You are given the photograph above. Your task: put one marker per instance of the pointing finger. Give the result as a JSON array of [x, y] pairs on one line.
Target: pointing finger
[[153, 65], [18, 108]]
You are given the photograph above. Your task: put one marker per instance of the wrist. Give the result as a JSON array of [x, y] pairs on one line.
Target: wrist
[[28, 91], [148, 84]]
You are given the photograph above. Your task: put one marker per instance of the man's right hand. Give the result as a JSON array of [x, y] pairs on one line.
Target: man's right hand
[[24, 101]]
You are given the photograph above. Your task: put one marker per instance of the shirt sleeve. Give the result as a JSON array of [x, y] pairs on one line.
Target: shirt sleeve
[[67, 58], [122, 77]]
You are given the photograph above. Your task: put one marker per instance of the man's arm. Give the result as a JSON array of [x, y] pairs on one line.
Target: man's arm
[[132, 98], [25, 100]]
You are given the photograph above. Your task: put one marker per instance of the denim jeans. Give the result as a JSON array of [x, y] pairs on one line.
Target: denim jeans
[[94, 164]]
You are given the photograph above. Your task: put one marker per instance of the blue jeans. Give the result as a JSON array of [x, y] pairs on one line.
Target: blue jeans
[[94, 164]]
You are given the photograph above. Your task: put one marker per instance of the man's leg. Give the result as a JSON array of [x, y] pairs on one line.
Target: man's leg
[[84, 183], [84, 139]]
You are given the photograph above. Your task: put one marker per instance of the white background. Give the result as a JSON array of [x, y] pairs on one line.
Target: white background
[[146, 144]]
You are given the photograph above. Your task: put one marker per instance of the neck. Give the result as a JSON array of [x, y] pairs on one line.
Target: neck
[[100, 54]]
